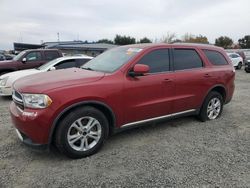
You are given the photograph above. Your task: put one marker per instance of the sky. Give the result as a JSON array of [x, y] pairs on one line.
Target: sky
[[34, 21]]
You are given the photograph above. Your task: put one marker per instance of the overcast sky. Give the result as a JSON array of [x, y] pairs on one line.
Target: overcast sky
[[33, 21]]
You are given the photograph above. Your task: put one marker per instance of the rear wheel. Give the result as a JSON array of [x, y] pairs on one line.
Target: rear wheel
[[247, 70], [212, 107], [82, 132], [239, 65]]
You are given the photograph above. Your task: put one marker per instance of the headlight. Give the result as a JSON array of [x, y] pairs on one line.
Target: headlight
[[3, 81], [36, 100]]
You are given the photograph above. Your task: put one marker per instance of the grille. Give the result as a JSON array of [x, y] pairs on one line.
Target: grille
[[18, 99]]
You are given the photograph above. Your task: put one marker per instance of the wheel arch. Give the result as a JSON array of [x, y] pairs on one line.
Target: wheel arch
[[104, 108], [220, 89]]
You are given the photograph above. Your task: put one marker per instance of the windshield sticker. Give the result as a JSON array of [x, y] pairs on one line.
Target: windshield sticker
[[135, 50]]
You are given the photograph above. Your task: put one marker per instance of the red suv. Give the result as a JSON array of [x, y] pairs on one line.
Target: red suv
[[76, 109]]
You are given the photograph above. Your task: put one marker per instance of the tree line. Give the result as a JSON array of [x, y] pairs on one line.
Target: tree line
[[222, 41]]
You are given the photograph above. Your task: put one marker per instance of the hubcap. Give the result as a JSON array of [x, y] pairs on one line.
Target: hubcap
[[213, 108], [84, 133]]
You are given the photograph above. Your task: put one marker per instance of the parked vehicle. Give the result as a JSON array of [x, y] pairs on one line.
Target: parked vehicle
[[236, 59], [29, 59], [76, 109], [247, 66], [6, 80]]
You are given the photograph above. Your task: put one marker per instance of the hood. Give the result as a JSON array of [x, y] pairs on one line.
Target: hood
[[46, 81], [6, 62], [13, 76]]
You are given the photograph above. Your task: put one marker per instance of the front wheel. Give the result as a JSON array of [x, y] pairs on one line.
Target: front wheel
[[82, 132], [212, 107]]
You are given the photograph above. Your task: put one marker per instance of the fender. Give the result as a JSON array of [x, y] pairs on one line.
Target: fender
[[53, 127]]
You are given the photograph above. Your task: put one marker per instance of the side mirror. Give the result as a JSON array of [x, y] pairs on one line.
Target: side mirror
[[24, 60], [52, 68], [139, 70]]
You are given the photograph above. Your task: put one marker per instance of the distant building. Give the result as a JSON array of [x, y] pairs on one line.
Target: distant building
[[68, 47], [18, 47], [79, 47]]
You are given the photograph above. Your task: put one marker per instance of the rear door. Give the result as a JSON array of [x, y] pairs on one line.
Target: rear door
[[191, 79], [149, 96], [50, 55]]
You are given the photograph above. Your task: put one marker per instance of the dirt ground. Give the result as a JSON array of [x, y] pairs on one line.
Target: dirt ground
[[178, 153]]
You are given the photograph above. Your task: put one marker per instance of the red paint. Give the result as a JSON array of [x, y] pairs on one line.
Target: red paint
[[130, 98]]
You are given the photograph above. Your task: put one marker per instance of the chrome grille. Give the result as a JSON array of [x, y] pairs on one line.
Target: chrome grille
[[18, 99]]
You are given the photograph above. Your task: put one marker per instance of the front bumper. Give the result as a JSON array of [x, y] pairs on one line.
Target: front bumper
[[5, 91], [32, 127], [28, 142]]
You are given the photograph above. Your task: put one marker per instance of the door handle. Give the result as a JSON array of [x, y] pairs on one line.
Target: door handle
[[167, 80], [207, 76]]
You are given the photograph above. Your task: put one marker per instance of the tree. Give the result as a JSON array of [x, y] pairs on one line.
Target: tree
[[224, 42], [145, 40], [245, 42], [123, 40], [106, 41], [195, 39], [169, 38]]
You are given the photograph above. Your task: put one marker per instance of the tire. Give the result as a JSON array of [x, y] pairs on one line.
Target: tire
[[239, 66], [82, 132], [211, 101], [247, 70]]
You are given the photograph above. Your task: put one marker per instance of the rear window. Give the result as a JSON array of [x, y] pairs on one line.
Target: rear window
[[186, 59], [215, 58], [50, 55]]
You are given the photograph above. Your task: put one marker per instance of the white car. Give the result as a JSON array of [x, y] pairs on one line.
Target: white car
[[8, 79], [236, 59]]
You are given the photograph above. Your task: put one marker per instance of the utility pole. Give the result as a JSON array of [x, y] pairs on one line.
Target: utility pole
[[58, 37]]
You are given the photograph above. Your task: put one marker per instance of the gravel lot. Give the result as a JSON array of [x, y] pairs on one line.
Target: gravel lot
[[179, 153]]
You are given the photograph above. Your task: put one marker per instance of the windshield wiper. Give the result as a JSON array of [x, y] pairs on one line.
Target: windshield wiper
[[87, 68]]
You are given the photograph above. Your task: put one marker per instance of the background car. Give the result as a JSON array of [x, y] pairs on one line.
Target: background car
[[29, 59], [247, 66], [8, 79], [237, 60]]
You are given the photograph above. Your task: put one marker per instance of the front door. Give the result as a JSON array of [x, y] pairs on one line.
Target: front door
[[149, 96]]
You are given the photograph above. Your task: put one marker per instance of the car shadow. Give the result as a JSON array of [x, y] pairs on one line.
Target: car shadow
[[6, 98], [148, 128]]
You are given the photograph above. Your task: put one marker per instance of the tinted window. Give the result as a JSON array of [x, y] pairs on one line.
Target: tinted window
[[80, 62], [66, 64], [186, 59], [157, 60], [215, 58], [33, 56], [49, 55]]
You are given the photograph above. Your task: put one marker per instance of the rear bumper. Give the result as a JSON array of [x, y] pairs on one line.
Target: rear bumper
[[5, 91]]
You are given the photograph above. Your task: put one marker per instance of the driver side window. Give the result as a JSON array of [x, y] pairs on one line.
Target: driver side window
[[33, 56], [157, 60]]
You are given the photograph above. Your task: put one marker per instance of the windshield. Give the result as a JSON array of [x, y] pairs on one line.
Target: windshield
[[17, 57], [48, 65], [111, 60]]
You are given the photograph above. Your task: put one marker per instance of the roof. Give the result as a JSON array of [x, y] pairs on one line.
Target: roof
[[76, 57], [150, 45]]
